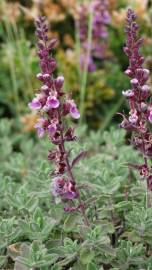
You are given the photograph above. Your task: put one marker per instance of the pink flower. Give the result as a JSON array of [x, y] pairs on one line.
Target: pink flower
[[35, 104], [40, 127], [128, 93], [64, 188], [133, 118], [46, 76], [44, 87], [52, 129], [145, 88], [70, 107], [74, 112], [52, 102], [134, 82], [40, 132], [150, 117]]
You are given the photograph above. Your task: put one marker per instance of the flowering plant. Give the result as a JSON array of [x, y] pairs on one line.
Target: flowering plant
[[140, 115], [53, 105], [93, 45], [91, 24]]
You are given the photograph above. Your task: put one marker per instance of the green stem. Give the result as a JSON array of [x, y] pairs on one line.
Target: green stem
[[77, 48], [85, 71], [70, 173], [148, 195], [9, 41]]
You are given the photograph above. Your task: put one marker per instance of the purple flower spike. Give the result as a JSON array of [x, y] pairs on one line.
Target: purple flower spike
[[54, 105], [101, 18], [140, 115], [35, 104]]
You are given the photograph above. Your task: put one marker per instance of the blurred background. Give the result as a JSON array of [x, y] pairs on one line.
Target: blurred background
[[97, 91]]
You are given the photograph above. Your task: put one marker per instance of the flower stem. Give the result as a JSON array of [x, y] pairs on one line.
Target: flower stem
[[85, 71], [148, 195], [70, 173]]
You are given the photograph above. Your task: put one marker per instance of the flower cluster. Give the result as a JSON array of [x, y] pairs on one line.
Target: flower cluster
[[98, 43], [138, 96], [53, 105], [65, 188]]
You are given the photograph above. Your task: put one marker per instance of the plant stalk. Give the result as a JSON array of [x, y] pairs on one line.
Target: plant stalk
[[70, 173], [85, 71]]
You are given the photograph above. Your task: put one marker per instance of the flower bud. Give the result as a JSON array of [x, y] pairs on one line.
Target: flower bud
[[141, 60], [145, 88], [127, 51], [44, 87], [134, 82], [52, 65], [39, 76], [128, 72], [59, 82], [46, 76], [143, 106], [146, 74]]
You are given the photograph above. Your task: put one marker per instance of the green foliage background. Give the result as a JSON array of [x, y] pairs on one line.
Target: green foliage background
[[35, 233]]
